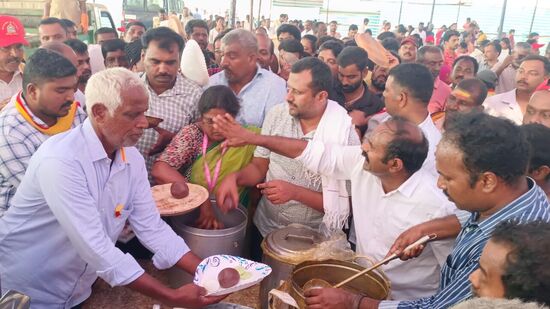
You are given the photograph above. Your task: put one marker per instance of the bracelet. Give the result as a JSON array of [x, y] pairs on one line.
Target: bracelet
[[357, 301]]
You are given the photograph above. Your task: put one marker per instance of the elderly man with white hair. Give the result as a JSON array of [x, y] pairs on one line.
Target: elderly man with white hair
[[258, 89], [79, 189]]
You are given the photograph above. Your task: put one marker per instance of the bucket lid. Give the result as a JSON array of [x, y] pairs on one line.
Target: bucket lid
[[292, 240]]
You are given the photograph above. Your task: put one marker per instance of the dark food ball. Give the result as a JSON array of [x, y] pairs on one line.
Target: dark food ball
[[179, 190], [228, 277]]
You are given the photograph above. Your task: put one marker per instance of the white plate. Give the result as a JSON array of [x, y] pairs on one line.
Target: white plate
[[207, 272]]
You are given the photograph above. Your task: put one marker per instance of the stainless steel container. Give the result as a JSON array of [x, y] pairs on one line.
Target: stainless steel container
[[282, 250], [205, 243]]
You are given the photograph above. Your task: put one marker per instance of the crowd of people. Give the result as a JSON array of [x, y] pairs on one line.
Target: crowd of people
[[399, 136]]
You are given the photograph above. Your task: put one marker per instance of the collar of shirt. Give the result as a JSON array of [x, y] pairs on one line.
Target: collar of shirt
[[509, 98], [97, 152], [258, 75], [34, 118], [407, 188], [507, 212], [16, 74], [179, 87], [437, 83]]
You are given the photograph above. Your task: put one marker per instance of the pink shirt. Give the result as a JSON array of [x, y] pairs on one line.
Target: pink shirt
[[439, 96]]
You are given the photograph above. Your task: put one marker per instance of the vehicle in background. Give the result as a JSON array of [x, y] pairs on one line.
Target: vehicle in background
[[124, 11], [30, 12]]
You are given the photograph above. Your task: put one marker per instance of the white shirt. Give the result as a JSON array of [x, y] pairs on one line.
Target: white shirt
[[80, 98], [7, 90], [305, 32], [379, 218], [58, 236], [504, 105], [433, 135]]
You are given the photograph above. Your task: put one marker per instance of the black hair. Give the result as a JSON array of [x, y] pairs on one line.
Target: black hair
[[312, 39], [222, 34], [219, 96], [395, 54], [390, 44], [385, 35], [292, 46], [165, 38], [195, 23], [350, 43], [45, 65], [533, 34], [321, 76], [416, 78], [450, 33], [496, 45], [133, 52], [368, 31], [476, 87], [467, 58], [135, 23], [353, 27], [507, 42], [51, 21], [105, 30], [404, 146], [489, 144], [401, 29], [540, 58], [353, 55], [162, 11], [538, 137], [67, 23], [422, 51], [77, 45], [463, 45], [111, 46], [365, 20], [335, 46], [526, 274], [290, 29]]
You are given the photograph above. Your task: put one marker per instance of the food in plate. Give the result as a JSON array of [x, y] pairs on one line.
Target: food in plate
[[228, 277], [179, 190], [153, 122]]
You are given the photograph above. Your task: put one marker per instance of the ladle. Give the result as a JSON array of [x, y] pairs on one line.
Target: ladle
[[320, 283]]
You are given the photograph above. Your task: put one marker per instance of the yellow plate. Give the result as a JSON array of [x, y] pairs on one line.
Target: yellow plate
[[170, 206]]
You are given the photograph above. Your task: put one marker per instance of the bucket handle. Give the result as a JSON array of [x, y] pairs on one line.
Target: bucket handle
[[300, 237]]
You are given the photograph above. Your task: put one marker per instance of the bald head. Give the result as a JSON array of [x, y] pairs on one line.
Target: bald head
[[538, 109], [63, 49], [407, 143]]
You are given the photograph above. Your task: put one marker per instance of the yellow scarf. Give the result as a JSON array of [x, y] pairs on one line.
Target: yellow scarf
[[63, 123]]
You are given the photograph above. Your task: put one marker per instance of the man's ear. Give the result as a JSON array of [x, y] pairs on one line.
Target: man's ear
[[99, 113]]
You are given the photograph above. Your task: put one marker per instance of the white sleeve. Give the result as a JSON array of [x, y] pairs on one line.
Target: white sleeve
[[62, 183], [331, 160]]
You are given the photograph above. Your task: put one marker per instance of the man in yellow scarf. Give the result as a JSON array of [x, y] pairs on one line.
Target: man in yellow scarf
[[43, 108]]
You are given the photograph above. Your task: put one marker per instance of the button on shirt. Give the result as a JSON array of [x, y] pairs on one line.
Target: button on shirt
[[379, 217], [439, 96], [464, 259], [176, 106], [7, 90], [263, 92], [504, 105], [59, 234], [18, 142]]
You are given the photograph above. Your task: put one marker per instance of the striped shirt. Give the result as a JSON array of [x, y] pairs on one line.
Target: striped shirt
[[177, 106], [464, 259], [18, 142]]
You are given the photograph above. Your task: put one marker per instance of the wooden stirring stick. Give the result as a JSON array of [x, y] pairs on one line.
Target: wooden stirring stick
[[419, 242]]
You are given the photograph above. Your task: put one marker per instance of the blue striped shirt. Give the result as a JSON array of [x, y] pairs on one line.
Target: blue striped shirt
[[464, 259]]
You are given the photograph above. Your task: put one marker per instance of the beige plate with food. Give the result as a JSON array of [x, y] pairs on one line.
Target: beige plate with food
[[170, 206]]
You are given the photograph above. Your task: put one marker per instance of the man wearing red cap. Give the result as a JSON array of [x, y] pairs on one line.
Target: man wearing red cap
[[12, 39], [408, 49]]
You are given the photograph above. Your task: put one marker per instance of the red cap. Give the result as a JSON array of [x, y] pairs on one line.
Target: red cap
[[409, 40], [11, 31], [536, 45]]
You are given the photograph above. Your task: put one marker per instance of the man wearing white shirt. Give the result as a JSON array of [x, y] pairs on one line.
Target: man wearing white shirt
[[79, 190], [512, 105], [308, 28], [389, 189], [408, 91]]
